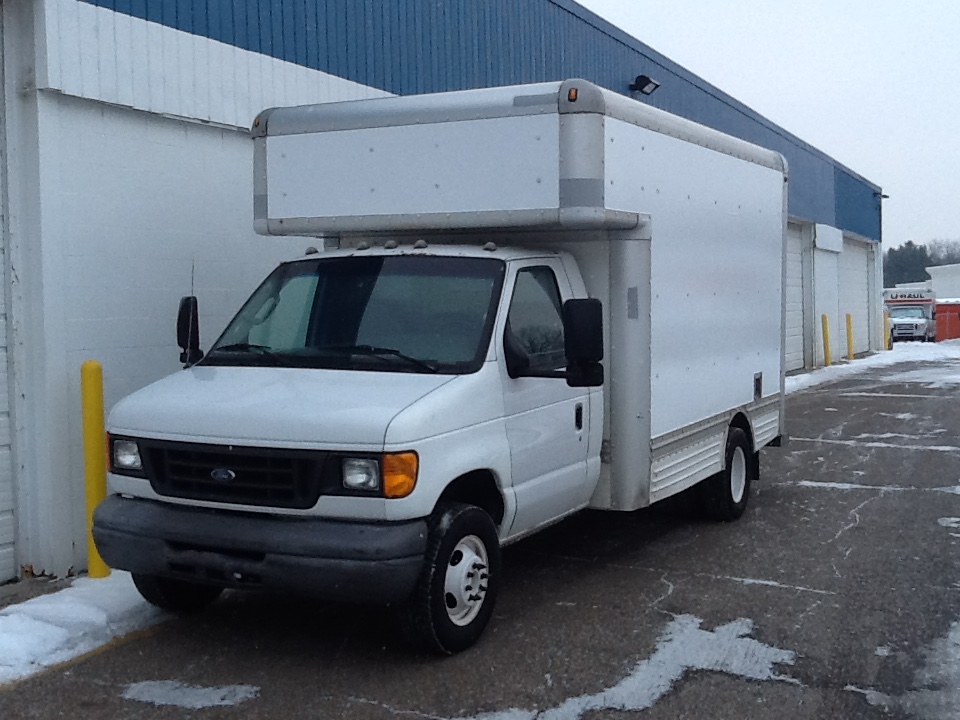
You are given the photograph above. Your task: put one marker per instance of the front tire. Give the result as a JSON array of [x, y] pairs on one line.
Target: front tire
[[458, 586], [724, 496], [178, 596]]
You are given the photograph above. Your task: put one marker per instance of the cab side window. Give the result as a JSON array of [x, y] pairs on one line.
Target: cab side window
[[533, 340]]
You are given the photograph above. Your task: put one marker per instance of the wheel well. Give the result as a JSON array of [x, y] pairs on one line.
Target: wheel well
[[740, 421], [477, 488]]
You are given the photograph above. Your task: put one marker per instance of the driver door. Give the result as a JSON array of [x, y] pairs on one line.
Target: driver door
[[546, 420]]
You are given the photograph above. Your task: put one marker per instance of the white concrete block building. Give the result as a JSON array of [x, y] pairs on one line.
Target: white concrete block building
[[944, 280]]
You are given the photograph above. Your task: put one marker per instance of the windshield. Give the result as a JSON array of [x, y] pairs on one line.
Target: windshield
[[398, 314], [907, 312]]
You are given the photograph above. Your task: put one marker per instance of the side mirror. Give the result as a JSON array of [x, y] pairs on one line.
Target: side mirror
[[188, 331], [583, 342]]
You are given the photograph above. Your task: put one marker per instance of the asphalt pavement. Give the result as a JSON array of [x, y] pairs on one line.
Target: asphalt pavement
[[836, 595]]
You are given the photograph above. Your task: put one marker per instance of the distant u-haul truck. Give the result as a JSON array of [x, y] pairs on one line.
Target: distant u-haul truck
[[913, 314], [493, 346]]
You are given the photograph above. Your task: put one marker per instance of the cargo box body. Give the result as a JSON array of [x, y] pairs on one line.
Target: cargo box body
[[677, 228]]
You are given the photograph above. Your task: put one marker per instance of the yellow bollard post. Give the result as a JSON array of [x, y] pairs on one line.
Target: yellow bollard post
[[849, 336], [887, 338], [94, 456], [827, 361]]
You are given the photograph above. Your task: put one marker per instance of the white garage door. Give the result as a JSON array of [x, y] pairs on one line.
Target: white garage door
[[7, 524], [855, 267], [794, 299]]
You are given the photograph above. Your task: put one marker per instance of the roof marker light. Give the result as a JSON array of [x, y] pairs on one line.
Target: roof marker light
[[572, 95]]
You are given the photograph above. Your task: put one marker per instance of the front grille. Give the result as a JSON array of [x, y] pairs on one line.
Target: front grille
[[265, 477], [905, 329]]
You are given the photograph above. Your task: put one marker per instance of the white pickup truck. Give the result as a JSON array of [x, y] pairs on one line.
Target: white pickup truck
[[488, 343]]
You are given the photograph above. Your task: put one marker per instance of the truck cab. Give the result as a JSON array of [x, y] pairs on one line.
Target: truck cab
[[356, 394]]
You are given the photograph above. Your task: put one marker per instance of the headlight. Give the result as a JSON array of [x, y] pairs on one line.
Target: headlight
[[395, 474], [361, 474], [126, 455]]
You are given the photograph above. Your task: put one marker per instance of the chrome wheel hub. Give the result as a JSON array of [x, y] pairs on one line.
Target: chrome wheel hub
[[738, 475], [465, 583]]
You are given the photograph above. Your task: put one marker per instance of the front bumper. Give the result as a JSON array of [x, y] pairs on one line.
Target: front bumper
[[337, 560]]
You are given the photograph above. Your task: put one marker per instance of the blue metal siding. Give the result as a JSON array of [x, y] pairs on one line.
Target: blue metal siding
[[857, 204], [417, 46]]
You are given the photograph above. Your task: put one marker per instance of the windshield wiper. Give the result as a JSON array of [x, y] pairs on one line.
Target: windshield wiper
[[374, 351], [243, 347]]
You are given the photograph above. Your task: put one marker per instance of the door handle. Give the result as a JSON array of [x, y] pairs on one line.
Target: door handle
[[578, 416]]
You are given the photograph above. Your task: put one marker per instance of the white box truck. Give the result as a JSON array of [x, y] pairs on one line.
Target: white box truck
[[913, 314], [531, 300]]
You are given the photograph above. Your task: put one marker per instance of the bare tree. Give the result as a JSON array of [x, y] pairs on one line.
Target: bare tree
[[944, 252]]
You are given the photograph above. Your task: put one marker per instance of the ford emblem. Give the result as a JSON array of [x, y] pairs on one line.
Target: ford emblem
[[223, 475]]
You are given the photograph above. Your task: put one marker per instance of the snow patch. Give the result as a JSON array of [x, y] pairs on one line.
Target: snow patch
[[937, 685], [949, 522], [873, 697], [683, 646], [898, 395], [934, 378], [851, 486], [901, 353], [774, 583], [857, 443], [512, 714], [52, 629], [170, 692], [23, 640], [887, 436]]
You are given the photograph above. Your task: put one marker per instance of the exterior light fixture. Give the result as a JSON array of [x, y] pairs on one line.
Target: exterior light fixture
[[644, 84]]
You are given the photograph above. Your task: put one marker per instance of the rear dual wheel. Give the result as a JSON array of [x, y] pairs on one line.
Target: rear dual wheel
[[724, 496]]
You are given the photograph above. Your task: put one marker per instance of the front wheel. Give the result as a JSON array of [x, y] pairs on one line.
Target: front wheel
[[178, 596], [457, 589], [724, 496]]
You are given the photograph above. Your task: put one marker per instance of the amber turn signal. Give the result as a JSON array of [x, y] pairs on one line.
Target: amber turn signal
[[399, 474]]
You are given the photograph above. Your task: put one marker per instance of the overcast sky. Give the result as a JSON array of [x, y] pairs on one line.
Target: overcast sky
[[876, 85]]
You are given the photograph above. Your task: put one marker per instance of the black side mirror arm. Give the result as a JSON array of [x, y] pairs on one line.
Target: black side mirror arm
[[188, 331]]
